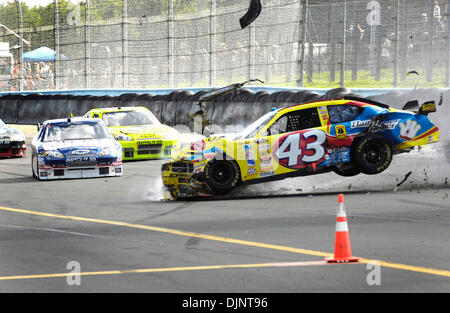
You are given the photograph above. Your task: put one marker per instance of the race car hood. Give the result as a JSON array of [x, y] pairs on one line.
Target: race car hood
[[201, 147], [159, 131], [80, 147], [11, 133]]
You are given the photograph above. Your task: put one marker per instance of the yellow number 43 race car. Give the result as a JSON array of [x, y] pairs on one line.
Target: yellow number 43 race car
[[348, 136]]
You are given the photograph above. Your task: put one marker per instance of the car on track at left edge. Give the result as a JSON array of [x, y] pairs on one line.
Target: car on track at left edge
[[12, 142]]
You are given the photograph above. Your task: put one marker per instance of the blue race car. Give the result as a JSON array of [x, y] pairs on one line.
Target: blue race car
[[75, 148]]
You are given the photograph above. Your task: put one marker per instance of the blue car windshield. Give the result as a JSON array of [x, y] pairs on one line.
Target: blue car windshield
[[75, 131], [129, 118]]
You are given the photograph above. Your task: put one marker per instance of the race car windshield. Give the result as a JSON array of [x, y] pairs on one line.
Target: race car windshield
[[2, 124], [129, 118], [75, 131], [256, 126]]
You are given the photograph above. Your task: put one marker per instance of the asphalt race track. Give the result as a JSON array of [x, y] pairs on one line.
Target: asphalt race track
[[266, 238]]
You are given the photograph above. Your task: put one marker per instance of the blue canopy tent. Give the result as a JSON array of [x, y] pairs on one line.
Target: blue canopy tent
[[42, 54]]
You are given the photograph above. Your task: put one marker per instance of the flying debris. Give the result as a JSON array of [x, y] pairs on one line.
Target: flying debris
[[404, 179], [253, 12], [412, 72]]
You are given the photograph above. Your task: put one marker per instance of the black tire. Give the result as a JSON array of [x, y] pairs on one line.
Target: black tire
[[371, 154], [221, 176], [346, 170], [37, 166]]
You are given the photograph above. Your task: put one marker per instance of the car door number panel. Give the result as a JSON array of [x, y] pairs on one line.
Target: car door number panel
[[302, 149]]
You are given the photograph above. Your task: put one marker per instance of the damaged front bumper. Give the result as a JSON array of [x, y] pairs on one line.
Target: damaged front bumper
[[180, 181]]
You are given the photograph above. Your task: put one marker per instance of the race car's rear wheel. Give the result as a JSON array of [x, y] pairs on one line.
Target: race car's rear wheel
[[371, 154], [347, 170], [221, 176]]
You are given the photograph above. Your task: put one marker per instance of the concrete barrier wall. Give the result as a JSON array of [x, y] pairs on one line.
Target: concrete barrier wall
[[171, 109]]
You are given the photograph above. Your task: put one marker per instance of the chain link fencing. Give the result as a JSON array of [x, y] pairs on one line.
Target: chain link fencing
[[138, 44]]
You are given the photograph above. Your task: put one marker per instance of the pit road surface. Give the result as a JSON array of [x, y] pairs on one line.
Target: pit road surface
[[126, 240]]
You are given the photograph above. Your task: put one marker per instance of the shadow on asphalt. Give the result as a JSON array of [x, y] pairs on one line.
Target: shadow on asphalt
[[309, 194]]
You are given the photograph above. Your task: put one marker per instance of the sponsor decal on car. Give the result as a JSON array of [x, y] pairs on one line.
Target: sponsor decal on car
[[81, 159], [263, 147], [341, 132], [267, 174], [337, 155], [248, 150], [80, 152], [300, 149], [323, 113], [367, 123], [409, 129], [252, 171]]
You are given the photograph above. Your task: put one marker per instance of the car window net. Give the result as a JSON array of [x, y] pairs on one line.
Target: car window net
[[343, 113]]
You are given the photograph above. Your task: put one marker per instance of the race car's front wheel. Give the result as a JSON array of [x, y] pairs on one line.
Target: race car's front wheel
[[371, 154], [33, 163], [221, 176]]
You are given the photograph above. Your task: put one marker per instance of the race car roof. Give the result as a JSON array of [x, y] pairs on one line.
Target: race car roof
[[342, 99], [72, 119], [116, 109]]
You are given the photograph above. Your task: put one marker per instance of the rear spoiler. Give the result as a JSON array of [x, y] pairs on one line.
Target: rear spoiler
[[424, 109], [427, 107]]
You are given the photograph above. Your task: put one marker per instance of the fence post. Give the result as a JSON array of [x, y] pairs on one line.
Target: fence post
[[212, 44], [19, 8], [302, 42], [125, 44], [310, 60], [170, 43], [251, 50], [355, 44], [344, 27], [397, 42], [331, 51], [404, 40], [429, 51], [56, 34], [87, 46], [447, 67]]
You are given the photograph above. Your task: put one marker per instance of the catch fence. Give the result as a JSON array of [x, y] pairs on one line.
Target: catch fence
[[191, 43]]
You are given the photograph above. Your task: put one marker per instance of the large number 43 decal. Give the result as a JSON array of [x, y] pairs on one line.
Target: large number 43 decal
[[298, 149]]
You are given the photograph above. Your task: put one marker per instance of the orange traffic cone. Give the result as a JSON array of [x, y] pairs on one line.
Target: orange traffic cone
[[342, 247]]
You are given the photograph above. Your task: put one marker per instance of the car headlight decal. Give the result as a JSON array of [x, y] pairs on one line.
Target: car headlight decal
[[107, 151], [122, 137], [53, 155]]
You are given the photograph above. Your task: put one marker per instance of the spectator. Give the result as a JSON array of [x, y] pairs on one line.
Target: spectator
[[361, 32], [385, 50], [437, 19], [437, 11]]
